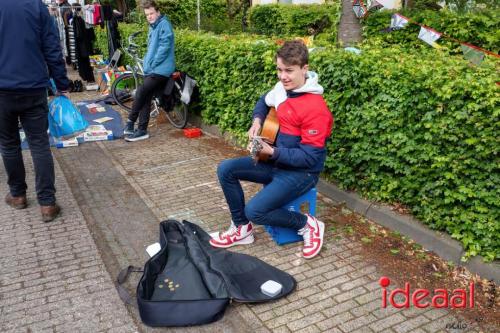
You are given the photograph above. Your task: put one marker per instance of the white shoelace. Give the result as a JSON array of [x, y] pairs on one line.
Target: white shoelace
[[305, 232], [232, 229]]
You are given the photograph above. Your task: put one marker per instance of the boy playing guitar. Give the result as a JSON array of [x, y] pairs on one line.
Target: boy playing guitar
[[293, 164]]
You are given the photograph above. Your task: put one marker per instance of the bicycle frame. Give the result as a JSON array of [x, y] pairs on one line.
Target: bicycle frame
[[176, 111], [137, 69]]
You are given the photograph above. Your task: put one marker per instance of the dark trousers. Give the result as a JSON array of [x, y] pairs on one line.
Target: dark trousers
[[143, 97], [32, 110]]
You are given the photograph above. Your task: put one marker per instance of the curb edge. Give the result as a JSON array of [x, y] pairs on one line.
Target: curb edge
[[440, 243]]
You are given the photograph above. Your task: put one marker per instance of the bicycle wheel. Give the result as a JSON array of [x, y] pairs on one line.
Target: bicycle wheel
[[177, 114], [123, 91]]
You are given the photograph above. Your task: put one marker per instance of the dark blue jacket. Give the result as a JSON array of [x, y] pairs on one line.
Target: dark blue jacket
[[30, 50]]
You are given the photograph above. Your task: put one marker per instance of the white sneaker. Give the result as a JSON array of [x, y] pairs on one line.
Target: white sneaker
[[235, 235], [313, 237]]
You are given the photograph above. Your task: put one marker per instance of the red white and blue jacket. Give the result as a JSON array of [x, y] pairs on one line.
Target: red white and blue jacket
[[305, 125]]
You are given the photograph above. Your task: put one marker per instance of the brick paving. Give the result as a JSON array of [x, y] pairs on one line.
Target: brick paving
[[349, 32], [57, 277], [52, 277], [175, 178]]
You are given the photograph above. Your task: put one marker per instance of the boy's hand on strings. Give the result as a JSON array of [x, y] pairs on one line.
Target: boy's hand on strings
[[254, 129]]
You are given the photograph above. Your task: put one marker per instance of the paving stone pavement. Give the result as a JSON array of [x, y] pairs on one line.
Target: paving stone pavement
[[349, 30], [174, 177], [57, 277], [52, 277]]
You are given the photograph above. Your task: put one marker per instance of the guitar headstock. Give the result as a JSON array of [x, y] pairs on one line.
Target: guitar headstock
[[255, 148]]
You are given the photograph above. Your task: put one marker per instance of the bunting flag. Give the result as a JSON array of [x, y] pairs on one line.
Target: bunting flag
[[359, 8], [398, 21], [472, 54], [429, 35], [390, 4], [373, 5]]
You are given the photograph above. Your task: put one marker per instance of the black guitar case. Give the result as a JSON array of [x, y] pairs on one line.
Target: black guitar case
[[188, 282]]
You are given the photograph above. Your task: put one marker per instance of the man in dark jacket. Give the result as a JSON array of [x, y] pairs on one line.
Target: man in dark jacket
[[30, 53]]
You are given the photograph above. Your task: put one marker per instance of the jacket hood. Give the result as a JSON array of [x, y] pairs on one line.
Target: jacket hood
[[311, 86], [278, 94]]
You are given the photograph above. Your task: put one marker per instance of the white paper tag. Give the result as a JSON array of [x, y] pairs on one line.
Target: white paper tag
[[153, 249]]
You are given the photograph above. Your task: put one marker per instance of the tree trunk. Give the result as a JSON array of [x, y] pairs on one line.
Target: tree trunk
[[122, 7], [408, 4]]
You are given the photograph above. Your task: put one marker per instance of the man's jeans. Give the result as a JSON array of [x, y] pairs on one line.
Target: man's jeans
[[32, 110], [281, 187], [143, 97]]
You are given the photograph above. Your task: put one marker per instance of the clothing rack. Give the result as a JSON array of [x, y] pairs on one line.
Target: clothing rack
[[113, 40], [65, 6], [53, 5]]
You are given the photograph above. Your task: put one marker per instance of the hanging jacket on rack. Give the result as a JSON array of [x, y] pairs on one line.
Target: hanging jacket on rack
[[66, 14], [84, 38], [112, 29], [71, 45]]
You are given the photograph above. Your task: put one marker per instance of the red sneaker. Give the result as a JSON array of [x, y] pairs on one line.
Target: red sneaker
[[313, 237], [235, 235]]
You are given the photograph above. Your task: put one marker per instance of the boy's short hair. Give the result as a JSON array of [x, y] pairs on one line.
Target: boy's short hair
[[293, 52], [149, 4]]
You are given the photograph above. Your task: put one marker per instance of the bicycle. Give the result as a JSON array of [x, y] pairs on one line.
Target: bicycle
[[125, 86]]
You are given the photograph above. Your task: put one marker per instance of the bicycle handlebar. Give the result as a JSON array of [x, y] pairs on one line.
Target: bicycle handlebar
[[132, 36], [133, 51], [132, 47]]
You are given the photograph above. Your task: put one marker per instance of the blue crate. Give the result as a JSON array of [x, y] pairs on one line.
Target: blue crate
[[286, 235]]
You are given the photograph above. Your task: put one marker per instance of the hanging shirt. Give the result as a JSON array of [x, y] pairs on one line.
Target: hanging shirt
[[97, 14], [89, 14]]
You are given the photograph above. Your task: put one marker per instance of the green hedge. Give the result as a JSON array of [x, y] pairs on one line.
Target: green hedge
[[231, 71], [295, 20], [213, 15], [277, 20], [421, 130], [479, 28], [416, 129], [101, 43]]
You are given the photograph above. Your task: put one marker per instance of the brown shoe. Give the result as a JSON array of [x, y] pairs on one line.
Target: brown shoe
[[50, 212], [16, 202]]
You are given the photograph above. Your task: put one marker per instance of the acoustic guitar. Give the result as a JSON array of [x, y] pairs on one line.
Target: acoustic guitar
[[268, 133]]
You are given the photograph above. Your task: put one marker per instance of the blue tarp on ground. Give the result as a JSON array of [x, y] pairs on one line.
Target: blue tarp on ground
[[115, 125]]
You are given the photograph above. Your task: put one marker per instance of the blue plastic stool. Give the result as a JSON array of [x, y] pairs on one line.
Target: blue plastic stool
[[284, 236]]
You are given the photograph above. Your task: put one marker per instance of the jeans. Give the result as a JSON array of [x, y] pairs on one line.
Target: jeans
[[281, 187], [144, 95], [32, 110]]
